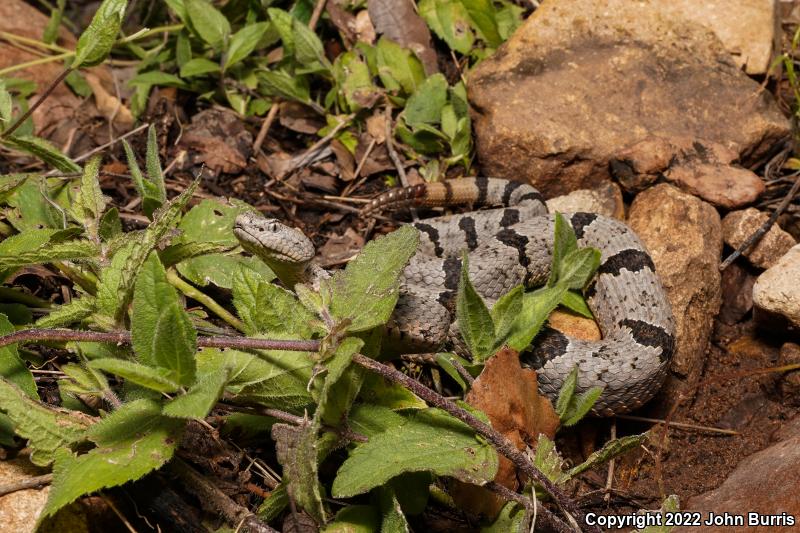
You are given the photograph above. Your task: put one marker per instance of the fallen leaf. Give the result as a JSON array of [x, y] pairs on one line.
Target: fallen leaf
[[109, 105], [299, 118], [218, 138], [344, 21], [400, 22], [509, 396], [339, 248], [344, 158]]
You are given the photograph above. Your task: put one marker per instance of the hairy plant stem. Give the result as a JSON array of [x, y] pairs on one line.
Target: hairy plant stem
[[53, 84], [195, 294], [502, 444]]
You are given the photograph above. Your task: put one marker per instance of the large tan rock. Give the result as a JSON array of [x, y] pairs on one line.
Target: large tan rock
[[776, 293], [605, 199], [738, 226], [582, 80], [684, 237]]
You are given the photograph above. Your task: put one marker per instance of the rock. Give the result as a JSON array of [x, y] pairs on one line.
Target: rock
[[722, 185], [765, 483], [19, 510], [581, 81], [738, 226], [684, 237], [749, 29], [790, 382], [776, 293], [737, 294], [605, 199]]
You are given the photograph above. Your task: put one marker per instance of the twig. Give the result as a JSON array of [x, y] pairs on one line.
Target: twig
[[215, 500], [308, 156], [611, 464], [501, 443], [398, 164], [117, 512], [265, 126], [316, 14], [681, 425], [124, 337], [756, 236], [102, 147], [17, 123], [25, 484]]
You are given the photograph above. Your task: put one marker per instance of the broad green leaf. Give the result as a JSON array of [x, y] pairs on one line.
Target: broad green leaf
[[151, 197], [210, 221], [6, 104], [482, 14], [445, 362], [580, 406], [342, 382], [379, 391], [578, 267], [46, 428], [371, 420], [297, 451], [42, 150], [208, 22], [183, 50], [509, 17], [354, 82], [83, 380], [96, 41], [504, 314], [510, 519], [610, 450], [281, 83], [220, 269], [268, 309], [10, 182], [393, 520], [12, 368], [431, 440], [198, 66], [58, 251], [567, 393], [132, 441], [536, 307], [157, 379], [156, 77], [398, 68], [355, 519], [366, 291], [27, 241], [283, 22], [564, 243], [273, 379], [243, 43], [161, 332], [425, 105], [449, 20], [474, 320], [110, 225], [575, 303], [78, 84], [89, 203], [549, 461], [200, 398], [68, 314], [34, 207], [176, 253], [308, 48]]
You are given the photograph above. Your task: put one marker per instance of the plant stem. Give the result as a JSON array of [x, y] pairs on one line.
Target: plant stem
[[14, 38], [124, 337], [34, 62], [500, 442], [37, 103], [8, 294], [192, 292]]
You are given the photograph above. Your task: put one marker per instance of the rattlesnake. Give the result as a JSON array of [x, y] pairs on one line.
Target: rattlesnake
[[508, 246]]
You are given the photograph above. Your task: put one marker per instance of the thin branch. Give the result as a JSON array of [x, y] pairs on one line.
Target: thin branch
[[500, 442], [760, 232], [124, 337], [681, 425], [50, 88], [25, 484], [265, 126]]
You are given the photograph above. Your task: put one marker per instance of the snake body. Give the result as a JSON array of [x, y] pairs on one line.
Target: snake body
[[511, 245]]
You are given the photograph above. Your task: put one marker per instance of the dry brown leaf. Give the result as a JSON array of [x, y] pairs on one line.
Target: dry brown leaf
[[400, 22], [108, 104], [344, 21], [509, 396], [347, 165], [299, 118], [376, 127], [340, 248], [365, 31], [218, 138]]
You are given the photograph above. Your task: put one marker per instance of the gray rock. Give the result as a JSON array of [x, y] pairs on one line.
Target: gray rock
[[684, 237], [738, 226], [582, 80], [605, 199], [776, 293]]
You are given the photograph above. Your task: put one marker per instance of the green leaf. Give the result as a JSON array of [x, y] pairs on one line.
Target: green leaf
[[445, 362], [276, 502], [482, 14], [504, 314], [430, 441], [96, 41], [132, 441], [110, 225], [266, 308], [366, 291], [610, 450], [157, 379], [243, 43], [536, 307], [297, 451], [581, 406], [283, 22], [161, 332], [354, 82], [68, 314], [51, 30], [198, 66], [474, 320], [567, 393], [220, 269], [398, 68], [46, 428], [575, 303], [355, 519], [12, 368], [425, 105], [208, 22], [42, 150], [379, 391], [341, 383], [578, 267], [89, 204], [200, 398], [511, 518], [52, 251], [156, 77], [564, 243], [393, 519], [281, 83], [449, 20], [153, 165], [308, 49], [549, 461], [210, 221], [6, 104]]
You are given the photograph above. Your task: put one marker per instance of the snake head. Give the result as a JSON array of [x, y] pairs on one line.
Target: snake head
[[275, 243]]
